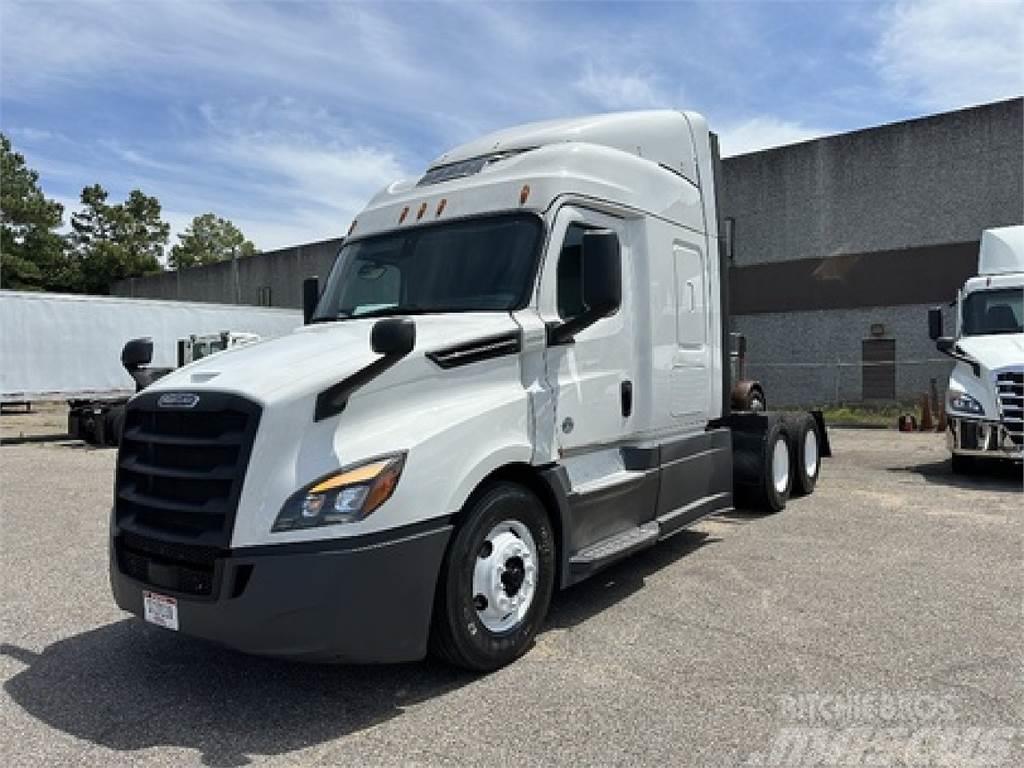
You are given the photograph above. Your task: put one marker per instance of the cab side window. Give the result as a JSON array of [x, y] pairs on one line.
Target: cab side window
[[569, 277]]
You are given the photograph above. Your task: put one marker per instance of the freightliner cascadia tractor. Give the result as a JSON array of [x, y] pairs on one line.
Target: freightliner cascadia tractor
[[516, 374], [985, 396]]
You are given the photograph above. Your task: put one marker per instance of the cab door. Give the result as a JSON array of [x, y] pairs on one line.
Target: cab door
[[592, 376]]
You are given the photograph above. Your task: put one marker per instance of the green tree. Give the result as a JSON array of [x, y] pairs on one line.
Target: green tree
[[209, 239], [32, 255], [116, 241]]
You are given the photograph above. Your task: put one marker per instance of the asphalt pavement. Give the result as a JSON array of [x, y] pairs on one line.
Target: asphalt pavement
[[895, 585]]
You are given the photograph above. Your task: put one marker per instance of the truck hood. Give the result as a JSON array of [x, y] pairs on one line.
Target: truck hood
[[996, 351], [315, 356]]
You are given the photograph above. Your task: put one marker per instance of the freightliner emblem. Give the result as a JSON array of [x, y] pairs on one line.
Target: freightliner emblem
[[178, 400]]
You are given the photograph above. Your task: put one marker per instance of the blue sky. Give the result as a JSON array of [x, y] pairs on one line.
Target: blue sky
[[287, 116]]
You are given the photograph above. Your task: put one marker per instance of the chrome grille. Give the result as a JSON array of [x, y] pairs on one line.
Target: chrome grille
[[1010, 389]]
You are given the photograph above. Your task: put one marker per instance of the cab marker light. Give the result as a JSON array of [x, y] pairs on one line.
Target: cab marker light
[[405, 212], [421, 211], [351, 228], [441, 205], [524, 193]]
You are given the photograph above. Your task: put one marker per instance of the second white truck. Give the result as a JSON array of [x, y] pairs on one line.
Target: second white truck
[[985, 395], [516, 374]]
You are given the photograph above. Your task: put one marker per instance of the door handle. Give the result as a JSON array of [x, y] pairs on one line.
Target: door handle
[[626, 396]]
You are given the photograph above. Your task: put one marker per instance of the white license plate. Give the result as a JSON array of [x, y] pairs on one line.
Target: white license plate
[[160, 610]]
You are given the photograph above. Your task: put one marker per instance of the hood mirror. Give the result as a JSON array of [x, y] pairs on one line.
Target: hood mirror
[[393, 337]]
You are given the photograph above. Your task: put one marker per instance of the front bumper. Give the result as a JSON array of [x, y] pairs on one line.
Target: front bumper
[[362, 600], [989, 439]]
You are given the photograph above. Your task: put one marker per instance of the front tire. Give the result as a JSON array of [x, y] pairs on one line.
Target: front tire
[[496, 580]]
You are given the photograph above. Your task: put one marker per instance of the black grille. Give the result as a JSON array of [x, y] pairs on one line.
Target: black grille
[[176, 567], [1010, 387], [180, 470]]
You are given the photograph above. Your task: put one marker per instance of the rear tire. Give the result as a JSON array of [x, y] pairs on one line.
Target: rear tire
[[763, 466], [806, 452], [496, 580]]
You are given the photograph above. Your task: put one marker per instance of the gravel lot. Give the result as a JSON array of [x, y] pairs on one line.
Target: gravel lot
[[894, 579]]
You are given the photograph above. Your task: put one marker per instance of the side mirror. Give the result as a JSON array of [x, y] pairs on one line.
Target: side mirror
[[137, 353], [393, 337], [310, 296], [935, 323], [602, 283]]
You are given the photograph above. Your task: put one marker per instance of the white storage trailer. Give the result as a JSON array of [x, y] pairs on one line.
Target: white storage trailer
[[68, 347], [516, 374]]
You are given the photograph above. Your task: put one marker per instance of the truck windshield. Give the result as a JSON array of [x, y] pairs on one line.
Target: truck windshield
[[996, 311], [483, 264]]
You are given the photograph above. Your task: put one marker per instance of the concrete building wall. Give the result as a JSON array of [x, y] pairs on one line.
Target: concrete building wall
[[814, 358], [271, 278], [868, 228], [935, 180]]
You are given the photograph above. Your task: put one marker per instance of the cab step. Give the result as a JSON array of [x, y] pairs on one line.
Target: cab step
[[602, 553]]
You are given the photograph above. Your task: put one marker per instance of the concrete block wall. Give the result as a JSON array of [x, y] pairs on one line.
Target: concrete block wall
[[935, 180], [814, 358], [282, 271]]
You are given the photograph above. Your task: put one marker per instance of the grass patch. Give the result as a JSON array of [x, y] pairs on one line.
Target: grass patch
[[860, 414]]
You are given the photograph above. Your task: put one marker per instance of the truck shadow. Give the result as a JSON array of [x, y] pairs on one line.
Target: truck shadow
[[1000, 476], [128, 686]]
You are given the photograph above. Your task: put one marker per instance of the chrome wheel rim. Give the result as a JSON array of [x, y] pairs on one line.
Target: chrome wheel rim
[[505, 576], [811, 453], [780, 465]]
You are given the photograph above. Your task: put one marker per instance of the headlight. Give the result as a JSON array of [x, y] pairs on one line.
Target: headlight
[[961, 401], [345, 496]]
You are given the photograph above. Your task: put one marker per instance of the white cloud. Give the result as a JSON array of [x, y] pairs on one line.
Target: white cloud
[[286, 118], [762, 133], [944, 54], [614, 90]]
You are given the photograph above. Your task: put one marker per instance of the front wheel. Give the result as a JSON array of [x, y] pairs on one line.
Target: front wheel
[[496, 580]]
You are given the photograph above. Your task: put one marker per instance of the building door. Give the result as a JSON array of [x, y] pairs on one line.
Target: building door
[[878, 369]]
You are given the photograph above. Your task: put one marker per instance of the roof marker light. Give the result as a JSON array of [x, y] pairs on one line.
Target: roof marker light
[[524, 193], [401, 217], [421, 211], [441, 205], [352, 227]]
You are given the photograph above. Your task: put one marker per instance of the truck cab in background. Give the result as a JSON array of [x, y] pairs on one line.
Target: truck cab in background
[[516, 374], [100, 421], [985, 396]]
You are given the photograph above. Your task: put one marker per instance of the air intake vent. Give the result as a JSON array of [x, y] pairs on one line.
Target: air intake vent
[[463, 168], [180, 468]]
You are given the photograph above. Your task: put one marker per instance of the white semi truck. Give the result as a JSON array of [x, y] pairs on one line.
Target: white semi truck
[[516, 374], [985, 396]]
